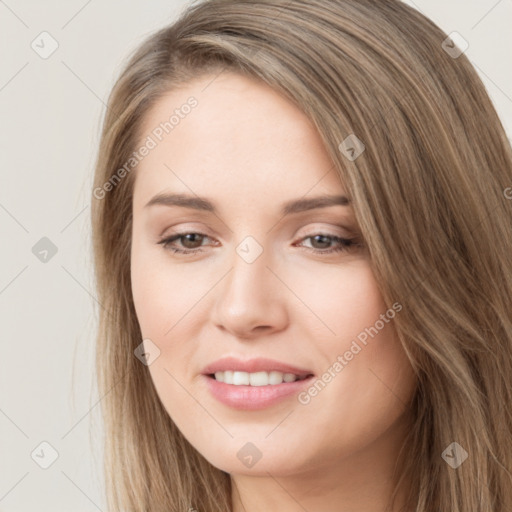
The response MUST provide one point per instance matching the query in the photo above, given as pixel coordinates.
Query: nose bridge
(249, 273)
(248, 298)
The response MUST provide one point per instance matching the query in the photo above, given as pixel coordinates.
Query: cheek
(365, 334)
(162, 298)
(367, 377)
(345, 299)
(170, 309)
(163, 293)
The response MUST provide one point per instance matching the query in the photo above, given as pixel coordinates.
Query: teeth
(254, 379)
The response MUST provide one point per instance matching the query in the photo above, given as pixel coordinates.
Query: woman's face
(280, 292)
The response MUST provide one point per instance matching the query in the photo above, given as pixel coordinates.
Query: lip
(251, 398)
(259, 364)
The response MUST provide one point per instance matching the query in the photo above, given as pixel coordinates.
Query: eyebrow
(205, 204)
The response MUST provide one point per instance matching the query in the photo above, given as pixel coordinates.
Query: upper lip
(253, 365)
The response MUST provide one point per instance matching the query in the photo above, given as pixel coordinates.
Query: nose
(251, 301)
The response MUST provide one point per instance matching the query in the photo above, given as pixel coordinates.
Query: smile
(261, 378)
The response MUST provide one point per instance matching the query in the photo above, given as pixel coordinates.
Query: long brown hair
(431, 193)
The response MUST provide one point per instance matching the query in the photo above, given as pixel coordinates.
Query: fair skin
(248, 150)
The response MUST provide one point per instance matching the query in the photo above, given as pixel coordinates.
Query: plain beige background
(50, 112)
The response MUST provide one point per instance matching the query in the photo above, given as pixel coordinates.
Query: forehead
(241, 141)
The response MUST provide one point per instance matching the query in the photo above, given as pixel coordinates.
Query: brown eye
(322, 243)
(190, 240)
(188, 243)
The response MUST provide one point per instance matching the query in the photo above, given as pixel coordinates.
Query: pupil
(319, 237)
(189, 238)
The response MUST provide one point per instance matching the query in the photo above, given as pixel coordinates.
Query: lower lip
(251, 398)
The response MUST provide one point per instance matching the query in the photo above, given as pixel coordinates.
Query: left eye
(192, 239)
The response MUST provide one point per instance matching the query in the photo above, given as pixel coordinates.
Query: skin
(248, 149)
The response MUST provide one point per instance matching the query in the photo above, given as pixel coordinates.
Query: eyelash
(346, 243)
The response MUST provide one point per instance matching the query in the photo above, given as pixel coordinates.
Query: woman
(301, 219)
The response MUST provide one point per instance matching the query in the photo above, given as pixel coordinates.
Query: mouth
(252, 384)
(254, 372)
(252, 391)
(256, 379)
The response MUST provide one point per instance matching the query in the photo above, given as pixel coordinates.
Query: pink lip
(252, 366)
(254, 397)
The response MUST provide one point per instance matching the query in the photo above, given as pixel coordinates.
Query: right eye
(190, 237)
